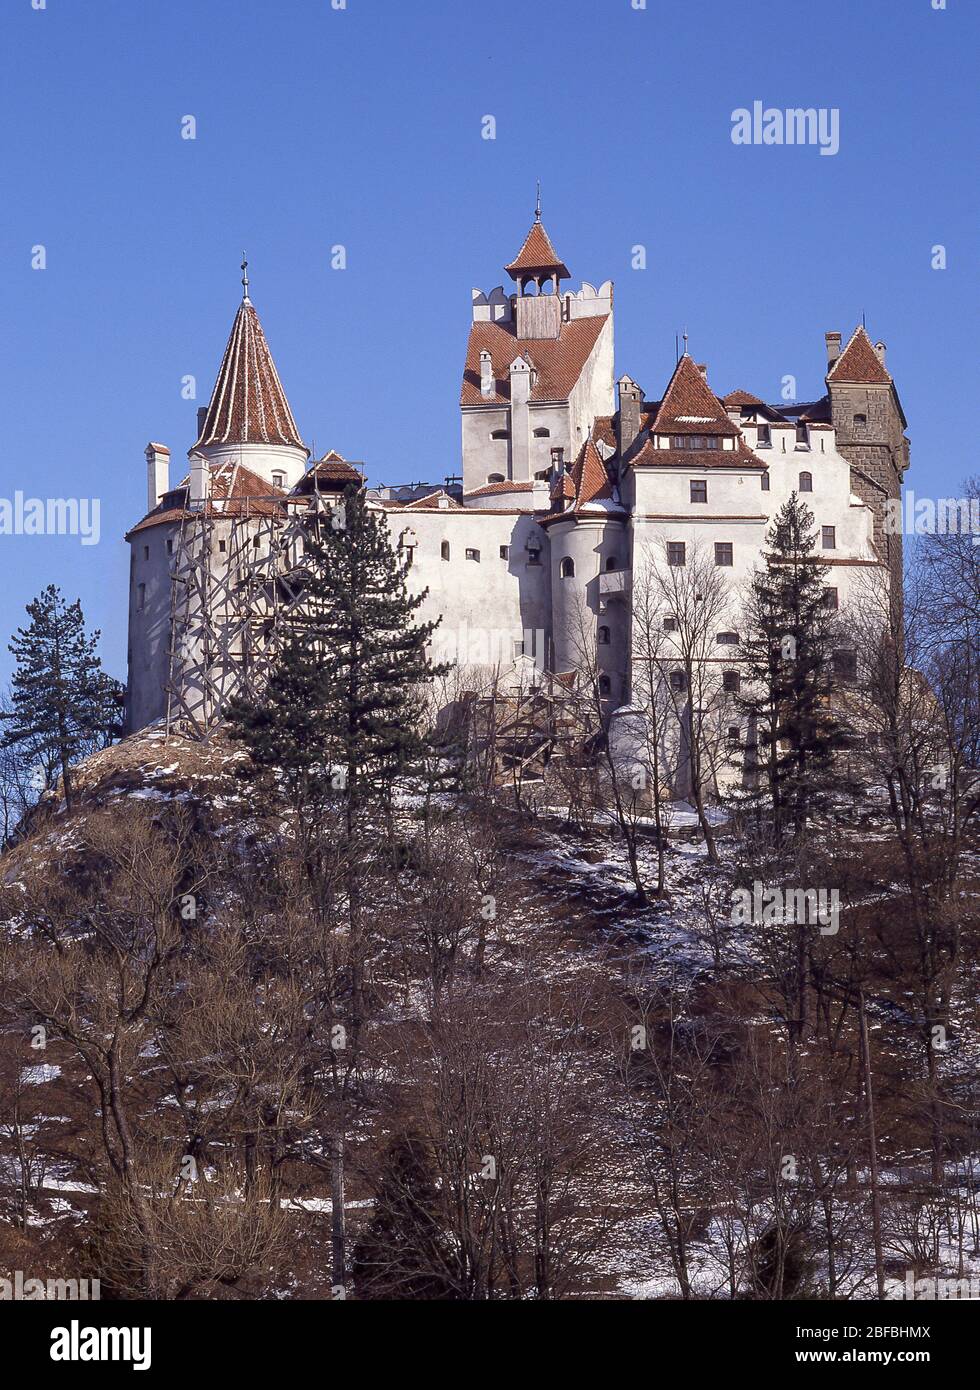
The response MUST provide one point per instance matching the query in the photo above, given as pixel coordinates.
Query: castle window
(472, 554)
(612, 563)
(140, 597)
(567, 568)
(255, 542)
(727, 639)
(518, 647)
(724, 553)
(764, 480)
(170, 547)
(505, 552)
(444, 550)
(670, 624)
(602, 637)
(731, 682)
(146, 552)
(734, 736)
(542, 434)
(699, 490)
(806, 482)
(495, 478)
(533, 556)
(676, 553)
(222, 546)
(543, 475)
(802, 437)
(695, 441)
(829, 537)
(678, 682)
(831, 599)
(605, 685)
(499, 434)
(764, 437)
(279, 480)
(860, 419)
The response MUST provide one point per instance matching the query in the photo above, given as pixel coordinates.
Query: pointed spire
(859, 362)
(248, 404)
(689, 405)
(537, 258)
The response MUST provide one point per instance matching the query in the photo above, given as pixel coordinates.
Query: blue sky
(362, 127)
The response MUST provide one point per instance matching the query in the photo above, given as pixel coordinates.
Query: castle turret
(248, 419)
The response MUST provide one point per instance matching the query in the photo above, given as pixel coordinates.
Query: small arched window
(605, 685)
(567, 568)
(495, 478)
(499, 434)
(444, 550)
(542, 433)
(612, 563)
(603, 637)
(806, 482)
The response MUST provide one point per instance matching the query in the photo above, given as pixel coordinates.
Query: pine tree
(403, 1252)
(63, 703)
(788, 656)
(342, 711)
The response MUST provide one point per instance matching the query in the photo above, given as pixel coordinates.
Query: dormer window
(802, 437)
(763, 437)
(695, 441)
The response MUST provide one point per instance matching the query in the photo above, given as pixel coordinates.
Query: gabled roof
(557, 361)
(235, 487)
(690, 406)
(248, 404)
(741, 398)
(331, 473)
(859, 362)
(590, 478)
(537, 255)
(492, 489)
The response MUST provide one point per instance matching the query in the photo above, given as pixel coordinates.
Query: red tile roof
(591, 477)
(690, 406)
(491, 489)
(236, 487)
(248, 404)
(331, 471)
(859, 363)
(741, 398)
(557, 361)
(537, 255)
(739, 457)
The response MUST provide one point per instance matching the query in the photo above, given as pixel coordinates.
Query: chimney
(833, 347)
(202, 415)
(703, 369)
(880, 350)
(200, 480)
(630, 396)
(157, 473)
(488, 387)
(558, 460)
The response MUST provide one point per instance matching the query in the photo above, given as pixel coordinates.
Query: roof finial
(245, 298)
(684, 335)
(537, 206)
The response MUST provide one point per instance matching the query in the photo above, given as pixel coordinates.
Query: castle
(572, 482)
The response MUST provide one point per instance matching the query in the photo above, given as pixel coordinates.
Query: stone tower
(870, 424)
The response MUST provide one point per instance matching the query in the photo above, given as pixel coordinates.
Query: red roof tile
(557, 361)
(536, 255)
(590, 477)
(234, 486)
(248, 404)
(859, 363)
(491, 489)
(690, 406)
(741, 398)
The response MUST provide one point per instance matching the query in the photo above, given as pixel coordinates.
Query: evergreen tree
(789, 660)
(342, 711)
(63, 703)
